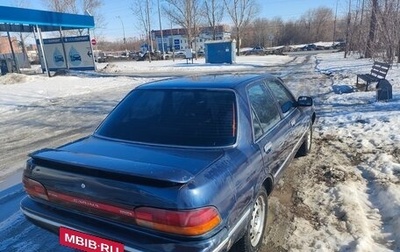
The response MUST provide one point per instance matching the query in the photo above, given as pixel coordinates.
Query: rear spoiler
(78, 162)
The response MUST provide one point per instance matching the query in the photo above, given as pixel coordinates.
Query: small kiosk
(218, 52)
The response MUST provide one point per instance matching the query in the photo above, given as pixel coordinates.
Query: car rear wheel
(305, 148)
(253, 238)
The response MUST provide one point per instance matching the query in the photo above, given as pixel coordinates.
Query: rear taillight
(187, 222)
(34, 188)
(103, 209)
(190, 222)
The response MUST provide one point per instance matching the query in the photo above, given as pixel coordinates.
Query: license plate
(89, 243)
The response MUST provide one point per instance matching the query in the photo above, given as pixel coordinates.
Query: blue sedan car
(182, 164)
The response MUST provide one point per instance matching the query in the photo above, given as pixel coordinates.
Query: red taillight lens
(34, 188)
(103, 209)
(189, 222)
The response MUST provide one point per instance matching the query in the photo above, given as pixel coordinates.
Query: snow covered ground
(344, 196)
(348, 196)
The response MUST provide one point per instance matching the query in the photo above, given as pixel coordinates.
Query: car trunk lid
(175, 165)
(113, 184)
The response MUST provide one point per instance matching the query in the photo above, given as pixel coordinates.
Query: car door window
(265, 114)
(284, 97)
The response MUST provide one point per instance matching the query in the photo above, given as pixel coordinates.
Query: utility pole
(161, 31)
(150, 46)
(123, 33)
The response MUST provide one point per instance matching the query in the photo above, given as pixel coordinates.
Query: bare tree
(377, 32)
(261, 32)
(347, 48)
(306, 23)
(292, 33)
(186, 14)
(21, 3)
(68, 6)
(356, 30)
(141, 11)
(358, 38)
(91, 7)
(317, 24)
(214, 12)
(323, 21)
(241, 13)
(387, 32)
(276, 29)
(372, 30)
(22, 36)
(397, 24)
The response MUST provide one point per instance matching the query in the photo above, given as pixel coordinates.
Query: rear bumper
(52, 219)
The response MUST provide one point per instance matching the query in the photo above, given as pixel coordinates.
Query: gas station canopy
(24, 20)
(14, 19)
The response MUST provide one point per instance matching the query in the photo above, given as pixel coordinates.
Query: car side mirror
(305, 101)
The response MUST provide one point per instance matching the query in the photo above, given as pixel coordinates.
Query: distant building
(175, 39)
(5, 45)
(7, 56)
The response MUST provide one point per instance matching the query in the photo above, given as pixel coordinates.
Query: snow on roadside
(46, 112)
(26, 89)
(355, 195)
(32, 89)
(199, 65)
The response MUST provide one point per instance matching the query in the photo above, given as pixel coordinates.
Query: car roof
(231, 81)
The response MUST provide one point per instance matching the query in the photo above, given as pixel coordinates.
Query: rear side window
(201, 118)
(265, 113)
(284, 97)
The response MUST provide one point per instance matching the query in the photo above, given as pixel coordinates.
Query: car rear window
(202, 118)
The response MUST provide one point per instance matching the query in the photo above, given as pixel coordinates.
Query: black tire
(305, 148)
(253, 237)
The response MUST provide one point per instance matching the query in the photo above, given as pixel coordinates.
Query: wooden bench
(378, 72)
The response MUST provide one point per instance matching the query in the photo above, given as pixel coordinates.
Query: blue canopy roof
(23, 20)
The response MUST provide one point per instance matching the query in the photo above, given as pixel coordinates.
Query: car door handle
(268, 148)
(292, 122)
